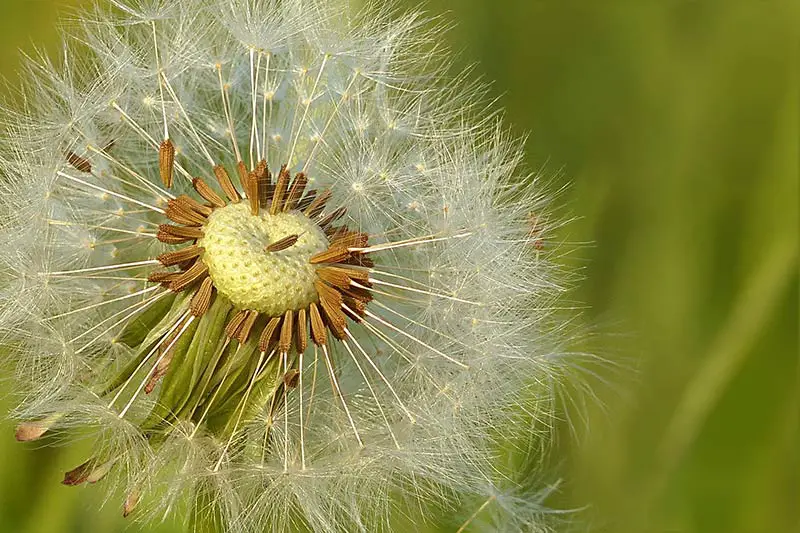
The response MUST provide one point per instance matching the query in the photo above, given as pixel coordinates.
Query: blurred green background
(675, 122)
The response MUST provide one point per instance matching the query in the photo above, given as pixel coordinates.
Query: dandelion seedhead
(279, 264)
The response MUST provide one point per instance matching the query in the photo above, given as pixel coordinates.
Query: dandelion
(277, 263)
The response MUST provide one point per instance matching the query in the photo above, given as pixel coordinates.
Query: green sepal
(137, 329)
(210, 352)
(182, 378)
(163, 407)
(239, 367)
(239, 358)
(268, 384)
(165, 321)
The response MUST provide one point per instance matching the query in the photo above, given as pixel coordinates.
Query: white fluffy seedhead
(388, 363)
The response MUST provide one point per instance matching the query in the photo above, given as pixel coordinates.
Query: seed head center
(251, 277)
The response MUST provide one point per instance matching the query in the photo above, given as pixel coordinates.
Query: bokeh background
(675, 125)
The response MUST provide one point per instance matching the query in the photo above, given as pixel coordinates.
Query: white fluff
(366, 104)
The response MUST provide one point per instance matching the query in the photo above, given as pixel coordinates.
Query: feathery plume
(276, 259)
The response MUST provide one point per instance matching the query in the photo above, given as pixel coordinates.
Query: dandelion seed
(195, 333)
